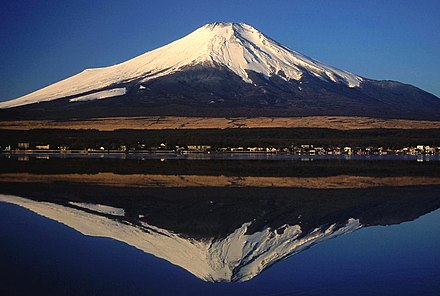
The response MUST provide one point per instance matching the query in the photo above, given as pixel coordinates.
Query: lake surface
(225, 156)
(103, 226)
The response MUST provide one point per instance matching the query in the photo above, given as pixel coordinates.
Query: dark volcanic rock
(218, 92)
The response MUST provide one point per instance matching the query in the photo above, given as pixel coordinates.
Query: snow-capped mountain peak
(241, 47)
(236, 46)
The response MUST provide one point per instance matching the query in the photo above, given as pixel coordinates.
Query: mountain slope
(223, 69)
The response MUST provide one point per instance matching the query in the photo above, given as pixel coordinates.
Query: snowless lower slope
(238, 257)
(236, 46)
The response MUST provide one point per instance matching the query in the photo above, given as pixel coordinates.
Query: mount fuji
(222, 70)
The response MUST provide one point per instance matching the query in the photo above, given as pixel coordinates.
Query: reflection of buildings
(229, 234)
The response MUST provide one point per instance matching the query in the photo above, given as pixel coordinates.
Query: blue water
(43, 257)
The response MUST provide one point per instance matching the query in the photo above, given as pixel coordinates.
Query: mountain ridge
(217, 70)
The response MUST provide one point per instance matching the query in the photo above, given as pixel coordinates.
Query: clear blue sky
(42, 42)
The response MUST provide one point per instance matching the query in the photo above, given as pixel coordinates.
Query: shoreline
(213, 155)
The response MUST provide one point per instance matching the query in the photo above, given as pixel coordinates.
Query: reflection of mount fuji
(223, 234)
(239, 256)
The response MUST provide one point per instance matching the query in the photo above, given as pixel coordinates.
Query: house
(429, 150)
(252, 149)
(199, 148)
(42, 147)
(347, 150)
(24, 146)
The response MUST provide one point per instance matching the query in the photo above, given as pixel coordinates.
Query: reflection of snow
(238, 257)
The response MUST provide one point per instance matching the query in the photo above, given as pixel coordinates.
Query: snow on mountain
(237, 257)
(105, 94)
(237, 46)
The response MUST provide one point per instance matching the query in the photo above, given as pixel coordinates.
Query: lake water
(219, 227)
(226, 156)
